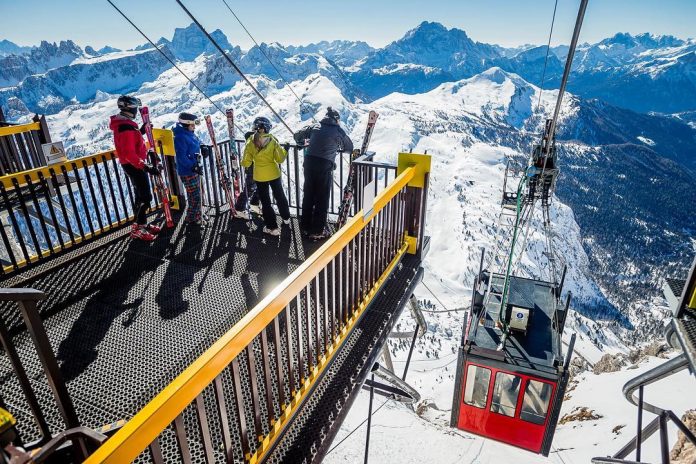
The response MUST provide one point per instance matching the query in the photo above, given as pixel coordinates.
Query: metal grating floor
(125, 317)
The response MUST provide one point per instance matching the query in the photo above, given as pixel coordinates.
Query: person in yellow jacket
(263, 150)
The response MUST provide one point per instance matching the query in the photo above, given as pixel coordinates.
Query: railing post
(27, 299)
(416, 197)
(44, 134)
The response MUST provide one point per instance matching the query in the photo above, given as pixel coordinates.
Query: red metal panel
(510, 430)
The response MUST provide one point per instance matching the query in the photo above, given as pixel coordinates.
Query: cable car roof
(538, 350)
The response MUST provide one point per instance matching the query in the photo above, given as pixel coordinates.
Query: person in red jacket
(132, 154)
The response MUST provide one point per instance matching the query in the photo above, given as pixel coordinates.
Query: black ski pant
(318, 176)
(269, 216)
(142, 196)
(249, 192)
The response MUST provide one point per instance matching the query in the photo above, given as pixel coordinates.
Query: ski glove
(197, 169)
(206, 150)
(152, 170)
(143, 128)
(154, 157)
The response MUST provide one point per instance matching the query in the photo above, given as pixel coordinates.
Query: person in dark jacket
(188, 148)
(326, 139)
(133, 155)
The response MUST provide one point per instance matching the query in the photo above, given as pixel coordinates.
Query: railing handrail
(20, 128)
(149, 423)
(45, 171)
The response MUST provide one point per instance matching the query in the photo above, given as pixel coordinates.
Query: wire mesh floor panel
(125, 317)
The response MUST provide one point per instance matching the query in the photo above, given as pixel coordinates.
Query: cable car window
(476, 390)
(505, 393)
(535, 405)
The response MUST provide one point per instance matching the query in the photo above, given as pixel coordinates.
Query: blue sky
(505, 22)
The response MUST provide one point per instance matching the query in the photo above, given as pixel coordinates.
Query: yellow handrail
(11, 130)
(149, 423)
(45, 171)
(164, 136)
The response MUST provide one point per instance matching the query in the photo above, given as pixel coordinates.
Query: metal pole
(24, 383)
(48, 360)
(664, 442)
(369, 418)
(410, 352)
(639, 435)
(566, 73)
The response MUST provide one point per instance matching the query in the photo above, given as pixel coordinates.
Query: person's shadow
(177, 278)
(79, 349)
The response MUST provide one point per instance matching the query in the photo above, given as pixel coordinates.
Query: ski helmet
(262, 122)
(333, 114)
(126, 102)
(188, 119)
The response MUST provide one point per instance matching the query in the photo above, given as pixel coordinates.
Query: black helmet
(126, 102)
(333, 114)
(262, 122)
(188, 119)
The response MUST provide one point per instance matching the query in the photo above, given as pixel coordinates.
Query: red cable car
(511, 376)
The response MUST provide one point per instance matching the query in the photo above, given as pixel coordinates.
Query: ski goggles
(188, 122)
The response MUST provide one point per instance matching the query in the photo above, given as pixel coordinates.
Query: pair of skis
(349, 189)
(231, 188)
(160, 186)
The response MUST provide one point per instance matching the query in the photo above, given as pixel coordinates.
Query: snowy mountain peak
(189, 42)
(645, 40)
(432, 34)
(11, 48)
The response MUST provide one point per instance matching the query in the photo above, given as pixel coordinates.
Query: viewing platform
(210, 344)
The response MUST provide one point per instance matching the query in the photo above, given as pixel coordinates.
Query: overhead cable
(299, 100)
(546, 60)
(232, 63)
(169, 60)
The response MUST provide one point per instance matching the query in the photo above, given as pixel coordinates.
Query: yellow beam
(11, 130)
(420, 162)
(147, 424)
(166, 138)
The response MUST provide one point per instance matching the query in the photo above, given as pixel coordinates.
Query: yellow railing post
(416, 194)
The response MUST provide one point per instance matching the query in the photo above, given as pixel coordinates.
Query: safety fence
(235, 400)
(20, 146)
(44, 211)
(291, 173)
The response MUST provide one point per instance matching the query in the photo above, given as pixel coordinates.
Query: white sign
(368, 199)
(54, 153)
